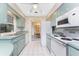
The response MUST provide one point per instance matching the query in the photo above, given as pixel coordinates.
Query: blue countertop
(74, 45)
(7, 37)
(6, 46)
(6, 49)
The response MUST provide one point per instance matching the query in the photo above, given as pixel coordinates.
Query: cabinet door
(20, 22)
(15, 51)
(49, 43)
(72, 51)
(58, 48)
(21, 43)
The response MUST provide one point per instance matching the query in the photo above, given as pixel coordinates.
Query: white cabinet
(69, 19)
(19, 44)
(48, 27)
(57, 47)
(73, 52)
(48, 43)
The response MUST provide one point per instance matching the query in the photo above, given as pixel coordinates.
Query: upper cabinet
(8, 15)
(20, 22)
(3, 12)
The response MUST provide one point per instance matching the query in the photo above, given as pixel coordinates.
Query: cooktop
(70, 39)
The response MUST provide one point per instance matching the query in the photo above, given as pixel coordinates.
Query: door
(35, 30)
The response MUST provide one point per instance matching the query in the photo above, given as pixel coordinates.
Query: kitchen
(58, 33)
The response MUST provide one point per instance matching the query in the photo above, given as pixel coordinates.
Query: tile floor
(35, 49)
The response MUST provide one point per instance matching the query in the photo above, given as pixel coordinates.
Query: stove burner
(68, 39)
(76, 39)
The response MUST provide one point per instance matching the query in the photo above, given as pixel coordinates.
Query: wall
(48, 27)
(28, 29)
(72, 32)
(3, 12)
(43, 32)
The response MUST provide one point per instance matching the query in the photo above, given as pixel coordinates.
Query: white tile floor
(34, 49)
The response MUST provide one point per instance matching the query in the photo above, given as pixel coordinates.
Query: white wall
(28, 28)
(48, 27)
(33, 30)
(43, 33)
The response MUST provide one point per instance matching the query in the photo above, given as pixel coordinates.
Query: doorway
(36, 30)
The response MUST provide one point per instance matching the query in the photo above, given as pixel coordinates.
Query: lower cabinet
(48, 43)
(19, 44)
(72, 51)
(58, 48)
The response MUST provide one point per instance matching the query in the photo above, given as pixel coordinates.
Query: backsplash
(71, 32)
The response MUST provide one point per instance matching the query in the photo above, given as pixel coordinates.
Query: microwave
(6, 28)
(69, 19)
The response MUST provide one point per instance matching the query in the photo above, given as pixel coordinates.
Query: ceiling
(42, 8)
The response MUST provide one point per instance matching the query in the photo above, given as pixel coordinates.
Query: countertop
(6, 49)
(74, 45)
(63, 41)
(12, 36)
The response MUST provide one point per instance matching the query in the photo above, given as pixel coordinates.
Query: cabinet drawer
(58, 48)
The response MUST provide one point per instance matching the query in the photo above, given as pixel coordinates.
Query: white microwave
(69, 19)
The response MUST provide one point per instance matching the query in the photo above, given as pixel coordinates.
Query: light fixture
(35, 5)
(35, 8)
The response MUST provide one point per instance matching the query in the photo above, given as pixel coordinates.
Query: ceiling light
(35, 5)
(35, 8)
